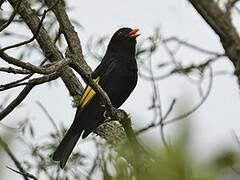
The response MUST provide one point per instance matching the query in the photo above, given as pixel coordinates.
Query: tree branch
(6, 24)
(30, 84)
(14, 70)
(25, 175)
(34, 81)
(229, 5)
(13, 158)
(221, 23)
(191, 46)
(16, 101)
(70, 34)
(50, 50)
(35, 34)
(32, 68)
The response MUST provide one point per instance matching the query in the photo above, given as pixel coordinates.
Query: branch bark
(70, 34)
(222, 25)
(5, 25)
(32, 68)
(49, 49)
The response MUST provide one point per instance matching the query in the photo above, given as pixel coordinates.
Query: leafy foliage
(118, 162)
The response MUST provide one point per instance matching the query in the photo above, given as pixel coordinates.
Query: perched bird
(117, 75)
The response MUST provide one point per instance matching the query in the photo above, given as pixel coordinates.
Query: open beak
(134, 33)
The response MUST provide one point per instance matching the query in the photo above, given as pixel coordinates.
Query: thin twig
(33, 68)
(196, 107)
(182, 116)
(86, 77)
(6, 24)
(229, 5)
(13, 158)
(35, 34)
(16, 101)
(17, 81)
(236, 137)
(192, 46)
(49, 116)
(49, 49)
(22, 79)
(170, 109)
(14, 70)
(34, 81)
(24, 174)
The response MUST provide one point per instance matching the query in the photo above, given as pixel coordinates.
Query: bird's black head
(124, 41)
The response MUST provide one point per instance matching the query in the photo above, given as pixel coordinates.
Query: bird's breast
(124, 81)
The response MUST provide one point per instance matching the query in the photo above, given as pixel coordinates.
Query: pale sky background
(211, 125)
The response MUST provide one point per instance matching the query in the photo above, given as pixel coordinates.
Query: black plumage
(117, 75)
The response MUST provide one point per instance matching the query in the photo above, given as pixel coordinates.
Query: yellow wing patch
(88, 94)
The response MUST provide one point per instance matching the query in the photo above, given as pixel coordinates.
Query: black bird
(117, 75)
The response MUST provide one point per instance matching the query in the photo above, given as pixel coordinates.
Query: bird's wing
(103, 70)
(100, 75)
(108, 74)
(88, 94)
(104, 65)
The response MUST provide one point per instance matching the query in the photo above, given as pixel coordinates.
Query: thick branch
(51, 52)
(70, 34)
(32, 68)
(222, 25)
(35, 34)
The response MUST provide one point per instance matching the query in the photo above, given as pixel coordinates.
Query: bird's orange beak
(134, 33)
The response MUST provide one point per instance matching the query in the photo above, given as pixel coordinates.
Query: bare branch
(170, 109)
(24, 93)
(34, 81)
(22, 79)
(53, 54)
(70, 34)
(24, 174)
(50, 50)
(192, 46)
(165, 122)
(229, 5)
(16, 101)
(14, 70)
(222, 25)
(49, 116)
(204, 98)
(34, 69)
(87, 78)
(6, 24)
(236, 137)
(34, 35)
(13, 158)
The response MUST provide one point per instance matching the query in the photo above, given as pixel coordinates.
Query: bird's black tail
(66, 146)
